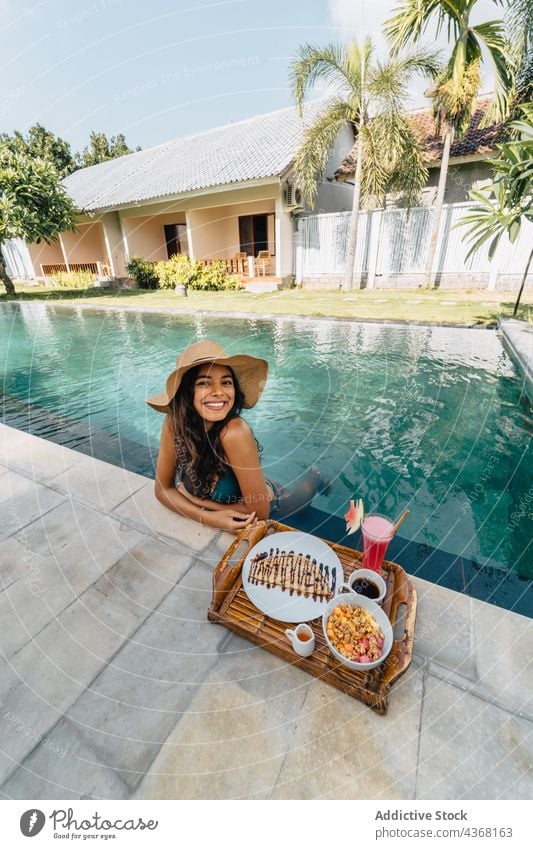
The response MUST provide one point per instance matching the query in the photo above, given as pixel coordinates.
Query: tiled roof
(262, 146)
(475, 140)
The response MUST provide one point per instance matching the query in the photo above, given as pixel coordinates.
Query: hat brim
(251, 373)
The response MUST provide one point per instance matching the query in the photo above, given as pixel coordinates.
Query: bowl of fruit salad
(357, 631)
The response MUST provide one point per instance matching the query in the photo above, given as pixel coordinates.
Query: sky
(166, 68)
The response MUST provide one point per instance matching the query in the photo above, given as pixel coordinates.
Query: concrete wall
(461, 178)
(214, 231)
(44, 254)
(504, 283)
(334, 196)
(85, 245)
(145, 235)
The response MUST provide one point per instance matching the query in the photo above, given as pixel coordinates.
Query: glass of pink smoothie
(377, 532)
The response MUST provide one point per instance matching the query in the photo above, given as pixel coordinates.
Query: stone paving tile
(97, 483)
(139, 697)
(63, 767)
(24, 502)
(343, 750)
(233, 739)
(56, 581)
(40, 459)
(444, 628)
(504, 657)
(12, 443)
(145, 512)
(17, 560)
(48, 674)
(471, 749)
(69, 525)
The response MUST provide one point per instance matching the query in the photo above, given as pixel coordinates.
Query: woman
(210, 448)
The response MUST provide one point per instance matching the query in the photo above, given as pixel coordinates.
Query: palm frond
(412, 17)
(492, 35)
(331, 63)
(312, 157)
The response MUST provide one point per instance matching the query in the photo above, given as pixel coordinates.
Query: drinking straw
(399, 521)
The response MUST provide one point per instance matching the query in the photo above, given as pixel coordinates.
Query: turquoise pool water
(426, 418)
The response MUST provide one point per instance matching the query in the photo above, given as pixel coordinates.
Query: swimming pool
(429, 418)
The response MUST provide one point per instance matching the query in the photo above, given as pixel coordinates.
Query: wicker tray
(231, 607)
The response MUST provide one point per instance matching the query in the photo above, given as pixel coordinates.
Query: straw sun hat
(251, 372)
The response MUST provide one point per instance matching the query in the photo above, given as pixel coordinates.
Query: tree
(519, 23)
(101, 149)
(42, 143)
(456, 90)
(502, 207)
(370, 95)
(33, 204)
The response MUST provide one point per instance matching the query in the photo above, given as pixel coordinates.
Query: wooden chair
(263, 263)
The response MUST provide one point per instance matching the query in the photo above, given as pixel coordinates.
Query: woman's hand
(228, 519)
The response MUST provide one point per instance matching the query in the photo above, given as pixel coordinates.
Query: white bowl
(356, 600)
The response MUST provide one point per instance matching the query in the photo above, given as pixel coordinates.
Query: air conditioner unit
(292, 197)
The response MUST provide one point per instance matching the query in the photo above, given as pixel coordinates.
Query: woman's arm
(208, 503)
(227, 519)
(240, 449)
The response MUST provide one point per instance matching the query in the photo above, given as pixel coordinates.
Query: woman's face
(214, 393)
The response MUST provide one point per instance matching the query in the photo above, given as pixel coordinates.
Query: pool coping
(517, 338)
(465, 727)
(259, 316)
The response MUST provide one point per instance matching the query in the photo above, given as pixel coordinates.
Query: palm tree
(519, 22)
(370, 95)
(512, 189)
(456, 90)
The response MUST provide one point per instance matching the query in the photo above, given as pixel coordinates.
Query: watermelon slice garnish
(354, 516)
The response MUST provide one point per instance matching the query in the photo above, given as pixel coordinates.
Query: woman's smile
(214, 393)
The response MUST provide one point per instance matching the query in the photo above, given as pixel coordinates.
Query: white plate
(278, 603)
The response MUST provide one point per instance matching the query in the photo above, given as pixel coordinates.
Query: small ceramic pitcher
(302, 639)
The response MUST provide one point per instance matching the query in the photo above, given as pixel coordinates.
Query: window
(256, 233)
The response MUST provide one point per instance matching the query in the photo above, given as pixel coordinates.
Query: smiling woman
(209, 466)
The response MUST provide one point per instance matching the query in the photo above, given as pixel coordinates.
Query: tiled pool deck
(114, 685)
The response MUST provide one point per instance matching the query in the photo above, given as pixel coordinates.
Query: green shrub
(72, 279)
(144, 272)
(214, 277)
(179, 270)
(234, 282)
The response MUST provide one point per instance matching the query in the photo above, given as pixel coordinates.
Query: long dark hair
(199, 453)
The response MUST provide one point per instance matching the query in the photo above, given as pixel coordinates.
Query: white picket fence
(396, 241)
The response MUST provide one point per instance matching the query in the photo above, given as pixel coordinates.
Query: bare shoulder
(235, 432)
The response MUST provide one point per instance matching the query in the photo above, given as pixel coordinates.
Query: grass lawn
(414, 305)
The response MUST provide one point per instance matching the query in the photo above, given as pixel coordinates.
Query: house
(468, 166)
(227, 193)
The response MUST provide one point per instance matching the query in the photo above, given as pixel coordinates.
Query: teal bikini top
(227, 489)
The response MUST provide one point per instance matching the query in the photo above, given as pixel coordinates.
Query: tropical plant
(502, 207)
(519, 23)
(370, 95)
(33, 204)
(456, 90)
(101, 148)
(179, 270)
(144, 272)
(72, 279)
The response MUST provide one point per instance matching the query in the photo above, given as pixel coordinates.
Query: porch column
(284, 239)
(114, 243)
(64, 252)
(190, 241)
